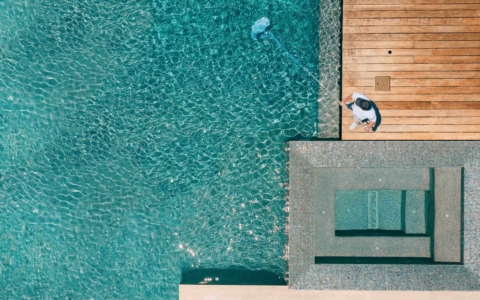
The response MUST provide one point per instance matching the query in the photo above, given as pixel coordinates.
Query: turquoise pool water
(143, 138)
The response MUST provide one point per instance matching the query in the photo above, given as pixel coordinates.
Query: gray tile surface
(304, 274)
(448, 215)
(416, 212)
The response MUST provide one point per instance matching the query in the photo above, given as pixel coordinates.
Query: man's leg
(356, 121)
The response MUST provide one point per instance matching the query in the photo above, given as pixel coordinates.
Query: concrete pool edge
(329, 58)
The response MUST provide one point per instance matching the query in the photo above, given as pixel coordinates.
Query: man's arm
(369, 126)
(344, 101)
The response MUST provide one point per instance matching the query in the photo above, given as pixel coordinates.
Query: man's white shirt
(360, 113)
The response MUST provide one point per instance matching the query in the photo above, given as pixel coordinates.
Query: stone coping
(255, 292)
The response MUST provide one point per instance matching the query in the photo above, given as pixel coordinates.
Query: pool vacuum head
(260, 28)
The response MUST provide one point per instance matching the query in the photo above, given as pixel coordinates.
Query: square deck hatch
(382, 83)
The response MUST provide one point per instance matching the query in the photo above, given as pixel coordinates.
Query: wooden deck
(434, 67)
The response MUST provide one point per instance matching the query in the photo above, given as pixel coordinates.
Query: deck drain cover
(382, 83)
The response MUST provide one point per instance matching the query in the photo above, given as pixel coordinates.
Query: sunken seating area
(388, 212)
(384, 215)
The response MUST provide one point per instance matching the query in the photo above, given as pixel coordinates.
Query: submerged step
(416, 212)
(351, 210)
(341, 197)
(448, 217)
(368, 210)
(373, 210)
(390, 210)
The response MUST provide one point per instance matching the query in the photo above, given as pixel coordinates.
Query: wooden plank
(413, 75)
(405, 2)
(473, 13)
(411, 21)
(422, 7)
(379, 60)
(422, 128)
(417, 97)
(445, 44)
(430, 113)
(436, 82)
(467, 21)
(446, 59)
(409, 136)
(412, 105)
(453, 52)
(460, 55)
(357, 82)
(383, 44)
(409, 44)
(416, 90)
(414, 82)
(431, 121)
(410, 67)
(411, 36)
(410, 29)
(384, 52)
(423, 120)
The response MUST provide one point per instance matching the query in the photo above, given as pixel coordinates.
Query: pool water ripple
(143, 138)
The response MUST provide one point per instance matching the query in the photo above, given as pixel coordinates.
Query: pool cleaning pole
(273, 37)
(260, 31)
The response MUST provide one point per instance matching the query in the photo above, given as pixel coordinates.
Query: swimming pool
(143, 138)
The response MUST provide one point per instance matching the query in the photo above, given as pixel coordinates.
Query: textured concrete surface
(390, 212)
(249, 292)
(373, 178)
(329, 67)
(354, 210)
(372, 246)
(415, 212)
(304, 274)
(447, 229)
(351, 210)
(329, 180)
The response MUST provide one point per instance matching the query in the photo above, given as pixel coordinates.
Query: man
(364, 111)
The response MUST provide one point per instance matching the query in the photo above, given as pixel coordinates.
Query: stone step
(373, 210)
(351, 210)
(326, 184)
(416, 212)
(390, 211)
(448, 209)
(363, 210)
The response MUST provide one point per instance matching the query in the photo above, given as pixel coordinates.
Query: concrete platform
(249, 292)
(368, 210)
(448, 215)
(329, 180)
(416, 203)
(306, 157)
